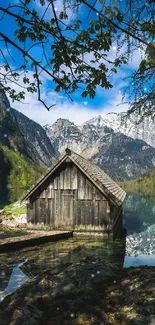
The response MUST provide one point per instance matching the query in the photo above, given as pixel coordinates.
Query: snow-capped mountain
(124, 158)
(83, 139)
(133, 126)
(64, 133)
(122, 147)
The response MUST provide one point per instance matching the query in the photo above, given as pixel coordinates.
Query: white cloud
(135, 58)
(74, 111)
(78, 112)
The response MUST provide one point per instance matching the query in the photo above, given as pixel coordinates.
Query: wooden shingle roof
(97, 176)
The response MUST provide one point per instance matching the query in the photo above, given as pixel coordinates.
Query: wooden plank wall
(69, 200)
(92, 209)
(92, 215)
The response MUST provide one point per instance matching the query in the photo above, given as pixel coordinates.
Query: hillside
(16, 172)
(124, 158)
(25, 151)
(145, 184)
(23, 135)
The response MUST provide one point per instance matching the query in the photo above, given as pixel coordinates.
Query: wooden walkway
(33, 238)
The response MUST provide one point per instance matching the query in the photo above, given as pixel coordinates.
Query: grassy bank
(6, 232)
(13, 210)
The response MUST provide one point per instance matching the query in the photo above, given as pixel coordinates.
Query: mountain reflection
(14, 279)
(138, 212)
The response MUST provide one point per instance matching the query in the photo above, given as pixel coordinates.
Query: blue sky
(81, 109)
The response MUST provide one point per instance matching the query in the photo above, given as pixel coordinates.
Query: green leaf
(142, 66)
(42, 2)
(113, 70)
(120, 17)
(85, 94)
(97, 26)
(57, 89)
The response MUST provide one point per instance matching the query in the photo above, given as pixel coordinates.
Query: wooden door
(66, 212)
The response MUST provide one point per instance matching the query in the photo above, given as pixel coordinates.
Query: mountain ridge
(31, 136)
(95, 140)
(100, 139)
(25, 151)
(132, 125)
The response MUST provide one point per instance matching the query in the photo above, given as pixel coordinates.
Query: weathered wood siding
(68, 200)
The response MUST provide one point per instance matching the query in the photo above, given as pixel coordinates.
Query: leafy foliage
(23, 172)
(74, 52)
(145, 184)
(13, 210)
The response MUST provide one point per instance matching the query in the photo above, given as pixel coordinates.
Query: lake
(137, 249)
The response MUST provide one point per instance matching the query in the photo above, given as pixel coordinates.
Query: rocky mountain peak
(23, 135)
(62, 133)
(61, 127)
(111, 140)
(97, 121)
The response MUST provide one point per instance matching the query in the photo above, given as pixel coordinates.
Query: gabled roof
(97, 176)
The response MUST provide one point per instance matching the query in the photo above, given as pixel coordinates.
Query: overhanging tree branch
(75, 53)
(151, 46)
(36, 63)
(38, 88)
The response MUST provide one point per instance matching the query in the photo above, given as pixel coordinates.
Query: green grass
(7, 232)
(12, 211)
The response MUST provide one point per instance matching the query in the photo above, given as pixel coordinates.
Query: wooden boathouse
(76, 195)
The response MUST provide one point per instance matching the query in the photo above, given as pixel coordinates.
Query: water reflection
(15, 280)
(138, 212)
(48, 256)
(139, 260)
(139, 220)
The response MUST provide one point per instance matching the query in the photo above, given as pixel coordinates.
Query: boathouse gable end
(76, 195)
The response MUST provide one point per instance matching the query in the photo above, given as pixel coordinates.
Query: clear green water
(138, 248)
(139, 212)
(20, 266)
(139, 220)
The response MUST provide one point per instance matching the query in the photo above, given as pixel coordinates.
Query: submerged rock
(88, 293)
(58, 296)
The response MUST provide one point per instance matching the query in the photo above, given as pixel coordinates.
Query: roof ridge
(96, 174)
(98, 167)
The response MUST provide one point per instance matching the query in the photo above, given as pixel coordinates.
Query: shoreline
(32, 238)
